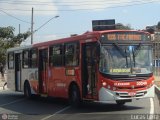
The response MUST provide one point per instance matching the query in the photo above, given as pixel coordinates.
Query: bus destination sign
(123, 37)
(126, 36)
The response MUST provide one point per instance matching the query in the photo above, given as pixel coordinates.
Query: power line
(64, 33)
(76, 3)
(14, 17)
(32, 32)
(46, 23)
(26, 2)
(19, 10)
(59, 2)
(115, 5)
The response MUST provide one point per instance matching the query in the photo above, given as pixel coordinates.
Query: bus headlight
(114, 88)
(104, 83)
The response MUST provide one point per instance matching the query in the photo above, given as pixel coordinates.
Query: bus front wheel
(27, 90)
(120, 103)
(74, 97)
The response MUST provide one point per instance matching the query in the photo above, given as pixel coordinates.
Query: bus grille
(126, 95)
(131, 79)
(129, 88)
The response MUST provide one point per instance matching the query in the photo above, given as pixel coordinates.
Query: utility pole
(19, 28)
(158, 49)
(32, 27)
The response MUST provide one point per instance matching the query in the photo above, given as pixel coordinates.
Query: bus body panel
(31, 75)
(10, 79)
(108, 95)
(55, 80)
(114, 90)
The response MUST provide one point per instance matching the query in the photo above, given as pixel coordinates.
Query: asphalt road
(14, 106)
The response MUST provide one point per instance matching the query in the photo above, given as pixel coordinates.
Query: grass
(157, 81)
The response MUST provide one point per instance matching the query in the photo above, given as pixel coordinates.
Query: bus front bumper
(108, 95)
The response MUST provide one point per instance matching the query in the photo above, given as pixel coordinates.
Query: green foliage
(158, 25)
(8, 40)
(120, 26)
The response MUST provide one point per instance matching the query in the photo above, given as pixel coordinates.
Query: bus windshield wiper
(136, 51)
(123, 53)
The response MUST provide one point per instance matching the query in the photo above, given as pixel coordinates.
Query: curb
(157, 91)
(2, 83)
(1, 88)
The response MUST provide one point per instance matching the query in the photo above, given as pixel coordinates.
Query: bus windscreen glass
(125, 59)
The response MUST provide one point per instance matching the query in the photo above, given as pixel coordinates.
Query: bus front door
(17, 72)
(42, 70)
(89, 72)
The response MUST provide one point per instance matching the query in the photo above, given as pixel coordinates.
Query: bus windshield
(125, 59)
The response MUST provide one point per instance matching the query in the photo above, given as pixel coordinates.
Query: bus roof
(86, 35)
(19, 48)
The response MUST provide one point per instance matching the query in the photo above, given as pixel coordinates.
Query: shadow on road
(43, 106)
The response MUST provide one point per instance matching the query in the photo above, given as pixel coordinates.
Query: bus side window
(33, 58)
(56, 55)
(72, 54)
(11, 60)
(26, 59)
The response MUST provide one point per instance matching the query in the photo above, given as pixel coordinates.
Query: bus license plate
(131, 93)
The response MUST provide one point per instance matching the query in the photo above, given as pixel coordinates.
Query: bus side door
(43, 70)
(17, 71)
(89, 70)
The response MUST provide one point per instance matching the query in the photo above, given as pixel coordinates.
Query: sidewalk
(157, 81)
(157, 86)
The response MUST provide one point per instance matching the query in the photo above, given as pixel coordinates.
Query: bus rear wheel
(27, 90)
(74, 96)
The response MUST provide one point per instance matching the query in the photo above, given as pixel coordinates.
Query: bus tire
(74, 96)
(120, 103)
(27, 90)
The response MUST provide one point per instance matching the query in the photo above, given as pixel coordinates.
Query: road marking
(151, 106)
(12, 102)
(45, 118)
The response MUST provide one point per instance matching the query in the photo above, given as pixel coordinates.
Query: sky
(75, 16)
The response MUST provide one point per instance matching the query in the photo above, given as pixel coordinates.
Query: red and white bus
(110, 65)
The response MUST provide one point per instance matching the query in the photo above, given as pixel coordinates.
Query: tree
(120, 26)
(151, 30)
(8, 40)
(158, 25)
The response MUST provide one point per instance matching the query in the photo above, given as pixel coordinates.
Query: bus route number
(141, 83)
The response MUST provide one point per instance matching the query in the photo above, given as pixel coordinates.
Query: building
(156, 48)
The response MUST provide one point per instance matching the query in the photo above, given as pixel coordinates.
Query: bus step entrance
(44, 95)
